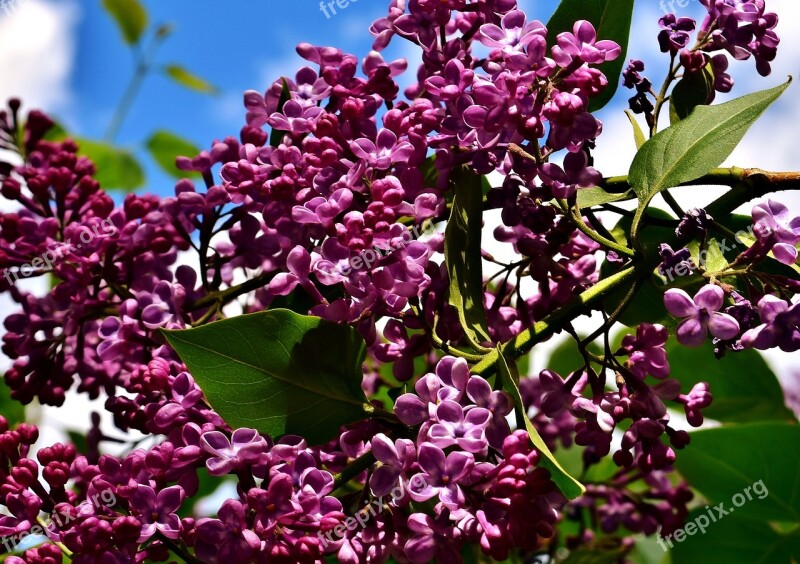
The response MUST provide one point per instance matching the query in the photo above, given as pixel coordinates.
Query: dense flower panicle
(328, 203)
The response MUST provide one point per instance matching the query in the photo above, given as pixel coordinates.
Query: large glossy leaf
(734, 539)
(722, 463)
(116, 168)
(692, 147)
(278, 372)
(744, 387)
(612, 20)
(462, 251)
(164, 146)
(131, 18)
(569, 486)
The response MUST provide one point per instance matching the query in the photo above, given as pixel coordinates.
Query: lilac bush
(357, 386)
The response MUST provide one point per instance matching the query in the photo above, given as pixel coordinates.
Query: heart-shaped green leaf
(278, 372)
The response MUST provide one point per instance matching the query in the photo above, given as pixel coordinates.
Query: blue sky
(237, 45)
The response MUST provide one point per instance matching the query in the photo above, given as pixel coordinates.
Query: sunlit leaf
(131, 18)
(278, 372)
(189, 80)
(165, 146)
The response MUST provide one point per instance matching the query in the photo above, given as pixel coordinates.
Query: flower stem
(543, 329)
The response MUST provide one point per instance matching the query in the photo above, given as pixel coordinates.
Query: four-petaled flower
(702, 315)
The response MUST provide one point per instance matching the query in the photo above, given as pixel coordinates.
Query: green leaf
(566, 358)
(189, 80)
(612, 20)
(638, 134)
(462, 252)
(165, 146)
(116, 167)
(744, 387)
(734, 539)
(647, 305)
(569, 486)
(723, 463)
(11, 409)
(278, 372)
(590, 197)
(606, 550)
(276, 135)
(131, 18)
(693, 90)
(690, 148)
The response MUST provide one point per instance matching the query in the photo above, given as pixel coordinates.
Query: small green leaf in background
(462, 252)
(744, 387)
(638, 135)
(278, 372)
(612, 20)
(189, 80)
(11, 409)
(165, 146)
(566, 358)
(693, 90)
(116, 168)
(569, 486)
(722, 462)
(692, 147)
(131, 18)
(276, 135)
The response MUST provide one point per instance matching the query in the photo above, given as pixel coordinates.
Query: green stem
(543, 329)
(144, 63)
(586, 230)
(229, 294)
(662, 96)
(673, 204)
(353, 469)
(174, 547)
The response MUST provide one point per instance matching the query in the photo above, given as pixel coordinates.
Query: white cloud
(37, 52)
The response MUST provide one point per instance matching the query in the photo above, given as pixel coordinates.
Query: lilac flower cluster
(346, 166)
(739, 28)
(765, 322)
(561, 411)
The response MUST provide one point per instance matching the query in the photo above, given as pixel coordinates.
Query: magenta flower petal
(723, 326)
(679, 303)
(710, 297)
(691, 332)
